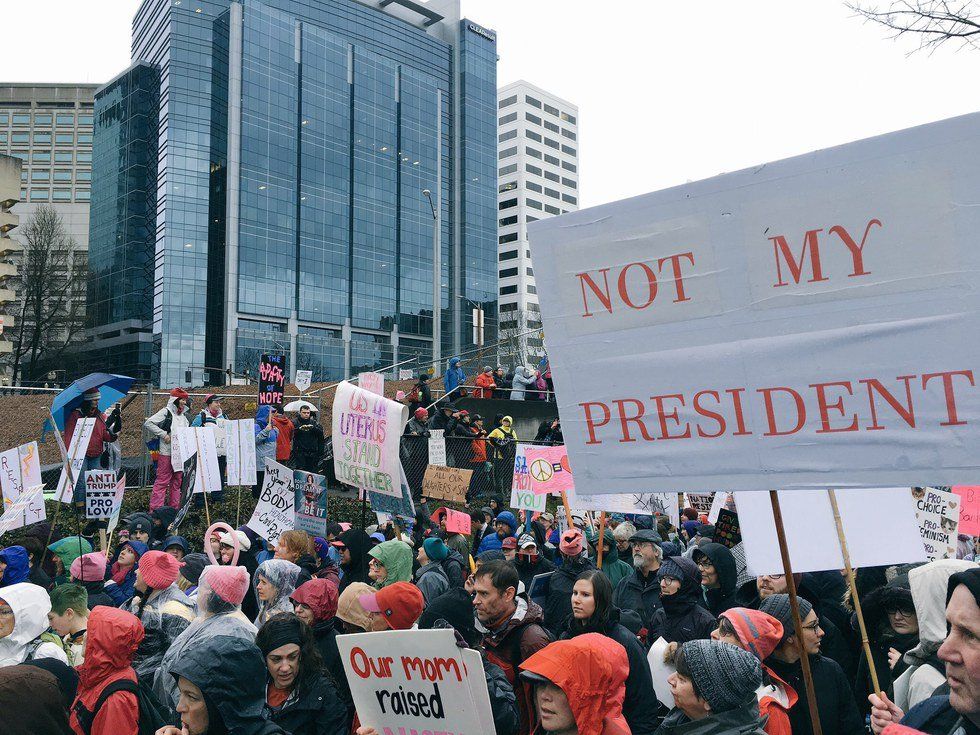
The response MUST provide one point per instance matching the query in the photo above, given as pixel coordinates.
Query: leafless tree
(934, 22)
(51, 285)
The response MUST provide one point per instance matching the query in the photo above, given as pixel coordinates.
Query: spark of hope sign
(367, 429)
(786, 326)
(405, 681)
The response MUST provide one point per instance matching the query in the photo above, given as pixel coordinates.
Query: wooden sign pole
(602, 530)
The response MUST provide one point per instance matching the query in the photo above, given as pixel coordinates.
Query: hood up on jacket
(929, 585)
(687, 572)
(112, 637)
(18, 565)
(724, 563)
(397, 559)
(282, 575)
(262, 420)
(34, 695)
(70, 548)
(320, 595)
(30, 605)
(591, 669)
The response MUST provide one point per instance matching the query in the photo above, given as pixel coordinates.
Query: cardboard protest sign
(969, 509)
(310, 502)
(401, 506)
(642, 503)
(521, 495)
(366, 436)
(938, 515)
(304, 379)
(27, 509)
(372, 382)
(406, 681)
(74, 456)
(701, 502)
(727, 530)
(811, 533)
(100, 494)
(240, 447)
(183, 446)
(548, 469)
(710, 301)
(272, 379)
(274, 512)
(446, 483)
(437, 446)
(20, 469)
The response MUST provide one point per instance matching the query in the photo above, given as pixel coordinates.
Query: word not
(638, 297)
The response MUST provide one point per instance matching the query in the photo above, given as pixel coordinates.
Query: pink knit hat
(572, 542)
(159, 569)
(228, 583)
(89, 567)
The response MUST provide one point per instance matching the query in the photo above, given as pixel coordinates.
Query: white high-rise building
(537, 177)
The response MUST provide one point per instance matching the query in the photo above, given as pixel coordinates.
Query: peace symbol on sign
(541, 470)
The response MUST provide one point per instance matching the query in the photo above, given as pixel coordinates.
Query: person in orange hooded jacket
(284, 439)
(111, 640)
(759, 634)
(579, 686)
(485, 384)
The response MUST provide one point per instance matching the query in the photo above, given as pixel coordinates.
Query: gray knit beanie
(778, 606)
(725, 675)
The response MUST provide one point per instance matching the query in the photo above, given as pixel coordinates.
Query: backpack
(152, 716)
(54, 638)
(167, 423)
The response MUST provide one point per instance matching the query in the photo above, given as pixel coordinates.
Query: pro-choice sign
(807, 323)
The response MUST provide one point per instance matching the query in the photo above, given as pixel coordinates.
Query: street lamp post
(436, 283)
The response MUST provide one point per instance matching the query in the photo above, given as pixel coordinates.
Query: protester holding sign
(162, 427)
(307, 446)
(212, 416)
(101, 435)
(266, 438)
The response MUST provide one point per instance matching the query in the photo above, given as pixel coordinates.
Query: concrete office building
(260, 185)
(537, 151)
(10, 169)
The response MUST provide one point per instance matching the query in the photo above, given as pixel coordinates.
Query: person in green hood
(612, 566)
(65, 552)
(390, 562)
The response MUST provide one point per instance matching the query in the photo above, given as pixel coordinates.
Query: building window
(85, 138)
(529, 218)
(531, 289)
(551, 210)
(85, 120)
(3, 137)
(508, 255)
(62, 157)
(568, 118)
(4, 118)
(568, 134)
(39, 157)
(569, 150)
(532, 118)
(507, 152)
(532, 135)
(22, 119)
(551, 159)
(504, 290)
(508, 272)
(534, 204)
(510, 237)
(530, 271)
(23, 175)
(40, 195)
(551, 126)
(551, 110)
(569, 183)
(508, 169)
(507, 204)
(40, 175)
(509, 186)
(507, 102)
(532, 152)
(533, 102)
(506, 136)
(569, 198)
(569, 166)
(20, 138)
(82, 195)
(551, 193)
(42, 119)
(508, 118)
(532, 186)
(552, 177)
(508, 307)
(63, 138)
(64, 119)
(532, 169)
(62, 175)
(84, 158)
(551, 143)
(62, 195)
(42, 138)
(512, 220)
(83, 175)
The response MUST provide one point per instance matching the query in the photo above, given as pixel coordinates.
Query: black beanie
(279, 630)
(456, 608)
(970, 579)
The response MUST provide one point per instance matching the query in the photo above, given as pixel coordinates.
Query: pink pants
(166, 488)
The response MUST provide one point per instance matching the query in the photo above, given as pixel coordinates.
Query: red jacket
(100, 434)
(284, 438)
(112, 637)
(484, 386)
(591, 669)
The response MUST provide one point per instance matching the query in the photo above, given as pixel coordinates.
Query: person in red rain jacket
(579, 686)
(284, 439)
(485, 383)
(112, 637)
(101, 435)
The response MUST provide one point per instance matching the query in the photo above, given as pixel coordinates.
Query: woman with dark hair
(593, 612)
(299, 697)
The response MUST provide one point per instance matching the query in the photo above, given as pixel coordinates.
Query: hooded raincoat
(396, 556)
(34, 695)
(591, 671)
(112, 639)
(18, 565)
(682, 617)
(166, 614)
(719, 598)
(357, 543)
(558, 605)
(454, 377)
(524, 379)
(282, 575)
(152, 425)
(30, 605)
(67, 550)
(321, 597)
(119, 584)
(612, 566)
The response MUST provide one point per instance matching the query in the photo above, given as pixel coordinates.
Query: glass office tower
(294, 141)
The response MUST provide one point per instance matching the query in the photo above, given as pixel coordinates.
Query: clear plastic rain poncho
(215, 617)
(282, 575)
(166, 615)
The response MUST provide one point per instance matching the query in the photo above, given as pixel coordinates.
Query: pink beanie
(228, 583)
(159, 569)
(571, 543)
(89, 567)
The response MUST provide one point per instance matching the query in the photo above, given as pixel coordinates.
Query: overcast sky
(667, 92)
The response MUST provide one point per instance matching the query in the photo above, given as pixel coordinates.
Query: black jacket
(835, 700)
(307, 442)
(639, 594)
(96, 594)
(503, 702)
(313, 708)
(358, 544)
(558, 605)
(455, 567)
(936, 716)
(250, 605)
(641, 704)
(528, 571)
(723, 597)
(682, 617)
(325, 633)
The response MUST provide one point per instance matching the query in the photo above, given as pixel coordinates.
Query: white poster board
(437, 447)
(389, 671)
(27, 509)
(642, 503)
(522, 497)
(717, 503)
(240, 461)
(100, 494)
(274, 512)
(20, 469)
(366, 436)
(661, 671)
(811, 533)
(781, 326)
(207, 472)
(938, 514)
(75, 455)
(404, 374)
(183, 446)
(304, 379)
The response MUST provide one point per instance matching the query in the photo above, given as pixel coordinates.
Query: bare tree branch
(935, 22)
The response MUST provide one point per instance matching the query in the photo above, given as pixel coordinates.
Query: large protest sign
(522, 497)
(811, 532)
(970, 509)
(446, 483)
(272, 379)
(367, 429)
(437, 446)
(938, 515)
(240, 447)
(406, 681)
(207, 478)
(27, 509)
(372, 382)
(20, 469)
(310, 502)
(642, 503)
(785, 326)
(100, 494)
(274, 512)
(74, 456)
(548, 469)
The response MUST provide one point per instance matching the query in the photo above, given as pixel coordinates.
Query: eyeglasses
(812, 627)
(340, 548)
(376, 564)
(705, 564)
(6, 612)
(903, 611)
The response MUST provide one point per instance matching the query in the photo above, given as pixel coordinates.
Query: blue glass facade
(291, 217)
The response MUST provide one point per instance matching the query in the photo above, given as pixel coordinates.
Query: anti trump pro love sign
(800, 324)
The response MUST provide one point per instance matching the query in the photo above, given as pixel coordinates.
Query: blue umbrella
(111, 387)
